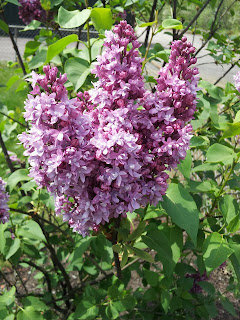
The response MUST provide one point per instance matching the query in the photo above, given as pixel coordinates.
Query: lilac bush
(4, 210)
(105, 152)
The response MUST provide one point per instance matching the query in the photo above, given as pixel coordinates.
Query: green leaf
(237, 117)
(168, 244)
(30, 250)
(57, 47)
(140, 253)
(165, 300)
(3, 227)
(117, 248)
(31, 47)
(81, 248)
(77, 70)
(13, 249)
(31, 230)
(228, 306)
(235, 263)
(12, 80)
(215, 251)
(207, 286)
(130, 3)
(206, 167)
(10, 317)
(102, 18)
(228, 207)
(30, 185)
(137, 232)
(96, 48)
(220, 153)
(46, 4)
(14, 2)
(124, 258)
(234, 224)
(4, 26)
(199, 142)
(72, 19)
(39, 59)
(111, 312)
(214, 92)
(16, 177)
(35, 302)
(181, 207)
(86, 311)
(55, 3)
(33, 25)
(172, 24)
(151, 277)
(185, 165)
(29, 314)
(231, 130)
(7, 298)
(147, 24)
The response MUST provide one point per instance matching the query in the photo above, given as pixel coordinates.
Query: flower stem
(115, 254)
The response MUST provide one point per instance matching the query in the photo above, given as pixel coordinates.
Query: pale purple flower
(236, 78)
(4, 209)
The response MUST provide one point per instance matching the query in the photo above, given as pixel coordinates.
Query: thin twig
(33, 215)
(48, 280)
(21, 124)
(175, 36)
(225, 73)
(15, 47)
(213, 29)
(6, 279)
(194, 19)
(6, 155)
(150, 20)
(115, 254)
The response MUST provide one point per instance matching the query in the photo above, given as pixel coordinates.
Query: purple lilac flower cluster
(105, 153)
(32, 10)
(197, 278)
(4, 210)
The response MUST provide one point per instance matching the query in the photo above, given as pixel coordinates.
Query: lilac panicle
(105, 153)
(32, 10)
(4, 210)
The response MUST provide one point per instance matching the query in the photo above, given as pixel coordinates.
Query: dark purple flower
(197, 278)
(32, 10)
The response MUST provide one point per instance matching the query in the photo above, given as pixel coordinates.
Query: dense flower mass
(4, 210)
(105, 152)
(32, 10)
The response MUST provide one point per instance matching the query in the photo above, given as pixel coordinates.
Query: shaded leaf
(215, 251)
(181, 207)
